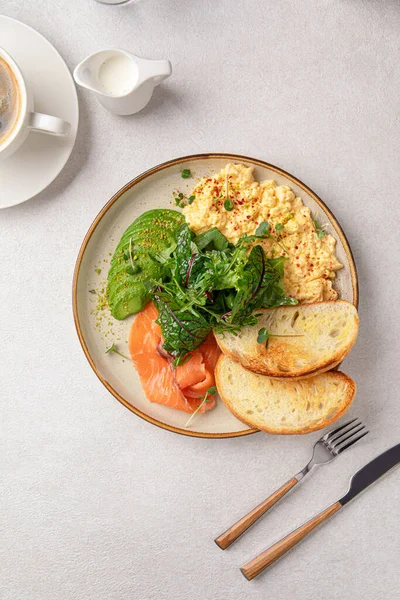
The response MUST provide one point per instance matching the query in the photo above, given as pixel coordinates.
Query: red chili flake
(297, 257)
(296, 247)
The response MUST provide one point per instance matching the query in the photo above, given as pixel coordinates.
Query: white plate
(41, 157)
(153, 189)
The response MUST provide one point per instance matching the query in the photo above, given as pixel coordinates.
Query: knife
(359, 482)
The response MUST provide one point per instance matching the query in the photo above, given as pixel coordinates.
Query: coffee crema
(9, 100)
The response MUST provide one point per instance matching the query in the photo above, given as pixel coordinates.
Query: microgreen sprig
(264, 335)
(114, 350)
(318, 229)
(131, 269)
(186, 173)
(228, 204)
(181, 200)
(278, 228)
(263, 230)
(210, 392)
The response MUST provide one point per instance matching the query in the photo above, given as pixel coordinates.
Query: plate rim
(131, 184)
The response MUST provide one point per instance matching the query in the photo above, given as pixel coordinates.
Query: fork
(325, 449)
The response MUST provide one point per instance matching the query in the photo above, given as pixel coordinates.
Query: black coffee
(9, 100)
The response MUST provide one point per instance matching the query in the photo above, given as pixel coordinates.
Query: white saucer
(41, 158)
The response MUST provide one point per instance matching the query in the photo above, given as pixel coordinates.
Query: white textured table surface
(99, 505)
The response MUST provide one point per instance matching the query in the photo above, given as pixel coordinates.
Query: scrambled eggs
(312, 263)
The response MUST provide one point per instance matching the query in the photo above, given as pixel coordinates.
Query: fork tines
(350, 432)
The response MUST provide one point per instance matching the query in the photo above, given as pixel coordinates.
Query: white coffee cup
(27, 120)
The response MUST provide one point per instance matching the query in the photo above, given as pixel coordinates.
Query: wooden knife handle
(232, 534)
(266, 558)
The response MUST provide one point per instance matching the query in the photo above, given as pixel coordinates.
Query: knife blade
(362, 479)
(372, 471)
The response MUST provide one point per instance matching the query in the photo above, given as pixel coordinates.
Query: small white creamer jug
(123, 82)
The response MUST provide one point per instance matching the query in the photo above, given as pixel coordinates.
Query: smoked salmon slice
(188, 374)
(183, 387)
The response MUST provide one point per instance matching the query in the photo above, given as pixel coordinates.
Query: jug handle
(164, 70)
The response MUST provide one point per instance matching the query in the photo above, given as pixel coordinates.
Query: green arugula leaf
(208, 283)
(251, 282)
(133, 270)
(188, 260)
(260, 286)
(262, 229)
(163, 256)
(183, 331)
(212, 239)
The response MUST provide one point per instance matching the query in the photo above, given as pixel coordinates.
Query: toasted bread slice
(283, 407)
(312, 339)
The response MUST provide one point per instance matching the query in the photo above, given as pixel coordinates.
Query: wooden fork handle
(266, 558)
(232, 534)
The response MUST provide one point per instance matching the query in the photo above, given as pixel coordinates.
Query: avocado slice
(151, 233)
